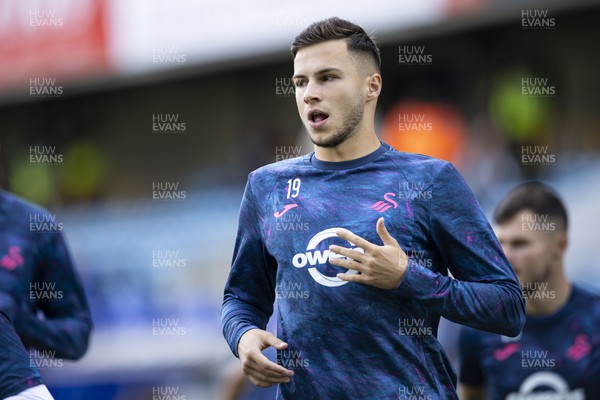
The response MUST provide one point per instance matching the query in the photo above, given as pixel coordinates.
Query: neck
(358, 146)
(542, 303)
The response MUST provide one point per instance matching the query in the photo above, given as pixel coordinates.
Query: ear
(562, 242)
(373, 85)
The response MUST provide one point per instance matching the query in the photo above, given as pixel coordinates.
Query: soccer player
(52, 313)
(558, 351)
(19, 380)
(329, 235)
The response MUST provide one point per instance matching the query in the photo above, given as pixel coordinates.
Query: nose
(310, 93)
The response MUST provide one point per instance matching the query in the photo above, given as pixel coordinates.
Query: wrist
(244, 339)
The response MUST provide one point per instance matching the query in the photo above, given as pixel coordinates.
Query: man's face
(532, 253)
(330, 91)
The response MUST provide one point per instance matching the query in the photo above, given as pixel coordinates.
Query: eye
(519, 244)
(299, 82)
(327, 78)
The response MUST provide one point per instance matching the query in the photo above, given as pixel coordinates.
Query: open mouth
(317, 118)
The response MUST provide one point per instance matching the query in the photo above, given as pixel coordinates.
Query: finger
(260, 383)
(258, 361)
(260, 377)
(266, 376)
(352, 278)
(383, 233)
(355, 239)
(347, 263)
(276, 369)
(266, 382)
(339, 251)
(271, 340)
(263, 373)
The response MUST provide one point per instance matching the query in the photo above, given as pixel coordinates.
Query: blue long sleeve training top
(349, 340)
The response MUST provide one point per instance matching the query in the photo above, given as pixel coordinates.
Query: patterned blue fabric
(349, 340)
(16, 372)
(558, 354)
(37, 274)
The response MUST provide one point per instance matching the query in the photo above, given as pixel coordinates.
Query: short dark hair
(336, 28)
(534, 196)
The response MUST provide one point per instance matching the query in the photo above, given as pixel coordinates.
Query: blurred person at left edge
(52, 313)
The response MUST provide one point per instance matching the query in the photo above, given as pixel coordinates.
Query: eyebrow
(320, 72)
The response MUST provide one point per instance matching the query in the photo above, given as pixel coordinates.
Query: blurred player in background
(312, 234)
(50, 310)
(558, 351)
(19, 380)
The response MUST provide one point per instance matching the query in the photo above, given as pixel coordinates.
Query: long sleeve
(66, 324)
(16, 369)
(485, 293)
(250, 289)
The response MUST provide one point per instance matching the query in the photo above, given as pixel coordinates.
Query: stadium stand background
(227, 78)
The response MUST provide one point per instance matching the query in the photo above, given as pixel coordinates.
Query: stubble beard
(537, 281)
(345, 132)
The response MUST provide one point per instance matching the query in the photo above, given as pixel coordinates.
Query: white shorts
(39, 392)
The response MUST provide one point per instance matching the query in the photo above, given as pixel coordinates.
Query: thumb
(271, 340)
(384, 234)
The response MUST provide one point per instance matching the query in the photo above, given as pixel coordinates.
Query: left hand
(380, 266)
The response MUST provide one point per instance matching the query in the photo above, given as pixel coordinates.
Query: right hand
(256, 366)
